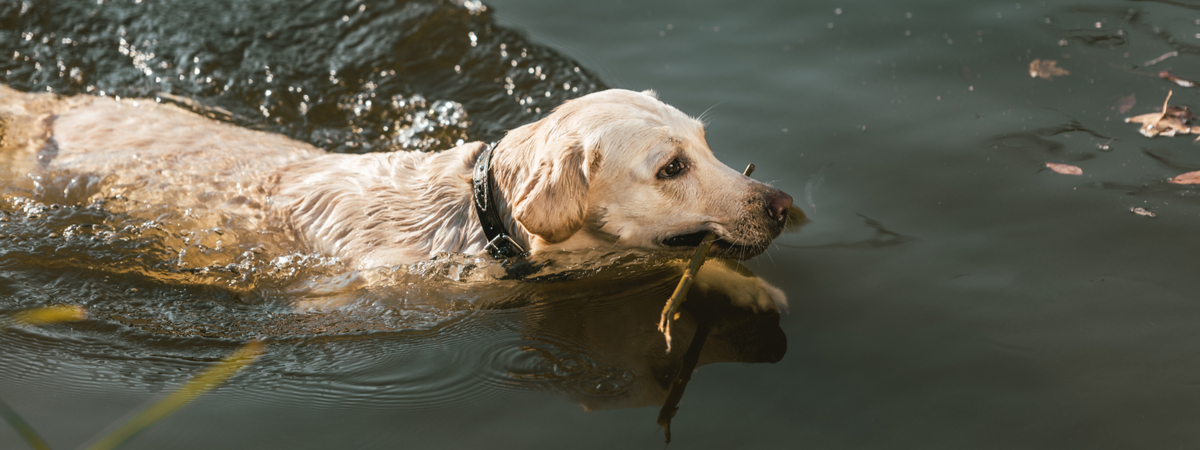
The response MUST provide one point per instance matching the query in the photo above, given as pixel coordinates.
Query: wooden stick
(703, 323)
(690, 358)
(671, 309)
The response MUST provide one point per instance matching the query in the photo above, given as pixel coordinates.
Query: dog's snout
(778, 204)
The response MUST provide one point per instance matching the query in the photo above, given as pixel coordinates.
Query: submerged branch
(690, 359)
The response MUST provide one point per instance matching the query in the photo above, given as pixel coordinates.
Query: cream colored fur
(583, 177)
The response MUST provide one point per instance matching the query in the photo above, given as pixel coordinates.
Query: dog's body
(615, 168)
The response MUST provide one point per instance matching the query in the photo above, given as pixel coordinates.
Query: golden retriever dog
(611, 169)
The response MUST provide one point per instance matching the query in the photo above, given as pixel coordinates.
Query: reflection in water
(1170, 161)
(1153, 189)
(597, 341)
(1097, 38)
(1034, 148)
(437, 334)
(883, 237)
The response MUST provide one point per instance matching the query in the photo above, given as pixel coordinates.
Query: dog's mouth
(686, 240)
(721, 247)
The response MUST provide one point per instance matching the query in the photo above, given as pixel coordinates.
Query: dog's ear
(553, 201)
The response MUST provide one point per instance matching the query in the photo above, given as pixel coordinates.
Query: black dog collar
(500, 245)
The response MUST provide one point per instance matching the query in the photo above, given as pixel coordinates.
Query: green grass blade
(44, 316)
(203, 382)
(22, 428)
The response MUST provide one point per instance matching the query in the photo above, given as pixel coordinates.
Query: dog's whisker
(704, 115)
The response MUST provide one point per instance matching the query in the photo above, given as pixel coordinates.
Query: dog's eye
(671, 169)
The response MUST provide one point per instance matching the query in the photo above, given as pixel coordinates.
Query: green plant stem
(22, 428)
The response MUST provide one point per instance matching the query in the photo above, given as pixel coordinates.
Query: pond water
(950, 292)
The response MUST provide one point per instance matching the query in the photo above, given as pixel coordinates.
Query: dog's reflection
(594, 339)
(586, 324)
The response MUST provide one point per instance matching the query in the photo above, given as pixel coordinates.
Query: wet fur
(583, 177)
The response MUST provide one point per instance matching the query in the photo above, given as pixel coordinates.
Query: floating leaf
(1143, 212)
(1171, 121)
(1126, 103)
(1187, 178)
(1180, 81)
(1065, 169)
(1046, 70)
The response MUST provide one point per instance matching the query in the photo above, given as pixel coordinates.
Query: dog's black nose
(777, 206)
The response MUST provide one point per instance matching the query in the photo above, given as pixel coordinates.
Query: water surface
(951, 292)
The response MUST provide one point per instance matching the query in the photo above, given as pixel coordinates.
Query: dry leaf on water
(1046, 70)
(1170, 121)
(1180, 81)
(1187, 178)
(1143, 212)
(1169, 124)
(1065, 169)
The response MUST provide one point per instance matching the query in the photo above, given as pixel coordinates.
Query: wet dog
(615, 168)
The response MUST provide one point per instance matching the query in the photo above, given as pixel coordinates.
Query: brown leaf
(1169, 126)
(1126, 103)
(1046, 70)
(1148, 118)
(1171, 121)
(1065, 169)
(1180, 112)
(1180, 81)
(1143, 212)
(1187, 178)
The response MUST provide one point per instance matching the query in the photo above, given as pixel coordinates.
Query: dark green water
(951, 292)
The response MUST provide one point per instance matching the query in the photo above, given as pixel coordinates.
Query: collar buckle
(503, 247)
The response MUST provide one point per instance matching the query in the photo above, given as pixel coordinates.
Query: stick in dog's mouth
(688, 240)
(795, 219)
(724, 247)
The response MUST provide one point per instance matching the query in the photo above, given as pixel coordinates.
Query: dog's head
(621, 168)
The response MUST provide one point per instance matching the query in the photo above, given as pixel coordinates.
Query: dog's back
(139, 149)
(158, 160)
